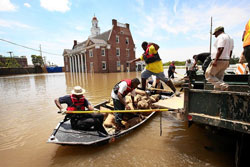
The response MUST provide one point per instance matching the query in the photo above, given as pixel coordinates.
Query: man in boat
(118, 94)
(220, 59)
(204, 58)
(77, 102)
(157, 87)
(154, 65)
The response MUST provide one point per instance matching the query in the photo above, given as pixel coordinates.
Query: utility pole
(44, 58)
(10, 53)
(211, 35)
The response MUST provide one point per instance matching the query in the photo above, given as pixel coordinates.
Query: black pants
(206, 64)
(246, 53)
(170, 74)
(121, 116)
(87, 121)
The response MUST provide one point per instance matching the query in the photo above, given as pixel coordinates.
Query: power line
(29, 47)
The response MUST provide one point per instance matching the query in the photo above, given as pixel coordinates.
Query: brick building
(102, 52)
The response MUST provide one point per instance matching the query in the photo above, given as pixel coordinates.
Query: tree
(12, 63)
(234, 60)
(37, 60)
(177, 63)
(2, 64)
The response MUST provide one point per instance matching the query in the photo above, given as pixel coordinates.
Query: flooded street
(28, 116)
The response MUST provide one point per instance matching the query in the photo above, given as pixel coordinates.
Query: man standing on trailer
(220, 59)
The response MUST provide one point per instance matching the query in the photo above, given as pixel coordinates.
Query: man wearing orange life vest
(246, 43)
(77, 102)
(154, 65)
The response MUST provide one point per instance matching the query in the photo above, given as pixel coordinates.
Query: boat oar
(117, 111)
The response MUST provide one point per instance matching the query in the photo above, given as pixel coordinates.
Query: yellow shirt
(155, 67)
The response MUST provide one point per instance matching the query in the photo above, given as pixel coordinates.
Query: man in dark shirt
(171, 70)
(77, 102)
(204, 58)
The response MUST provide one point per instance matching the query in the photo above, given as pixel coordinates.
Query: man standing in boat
(220, 59)
(77, 102)
(118, 94)
(154, 65)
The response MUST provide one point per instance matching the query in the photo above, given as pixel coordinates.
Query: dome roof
(94, 18)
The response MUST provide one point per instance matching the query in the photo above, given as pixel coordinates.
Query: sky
(180, 27)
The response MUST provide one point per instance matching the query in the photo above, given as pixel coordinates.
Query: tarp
(54, 69)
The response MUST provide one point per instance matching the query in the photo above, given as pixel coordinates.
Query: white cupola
(95, 30)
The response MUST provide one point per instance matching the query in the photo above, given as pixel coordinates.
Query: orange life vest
(246, 39)
(78, 104)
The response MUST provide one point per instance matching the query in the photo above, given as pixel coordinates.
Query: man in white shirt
(188, 66)
(118, 95)
(220, 59)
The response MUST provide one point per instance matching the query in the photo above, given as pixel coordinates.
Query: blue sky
(180, 27)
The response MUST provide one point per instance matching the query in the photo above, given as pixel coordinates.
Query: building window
(90, 53)
(127, 40)
(127, 52)
(66, 59)
(103, 65)
(91, 67)
(103, 51)
(117, 51)
(117, 39)
(118, 63)
(122, 32)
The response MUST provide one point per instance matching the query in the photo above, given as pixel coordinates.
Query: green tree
(177, 63)
(2, 64)
(234, 60)
(12, 63)
(37, 60)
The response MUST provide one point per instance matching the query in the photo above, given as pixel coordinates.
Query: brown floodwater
(28, 116)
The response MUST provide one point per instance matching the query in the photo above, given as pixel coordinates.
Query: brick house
(102, 52)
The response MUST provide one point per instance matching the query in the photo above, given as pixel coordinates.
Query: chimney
(114, 22)
(127, 25)
(75, 43)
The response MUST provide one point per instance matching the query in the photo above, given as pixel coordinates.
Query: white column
(75, 64)
(82, 61)
(79, 64)
(70, 64)
(85, 63)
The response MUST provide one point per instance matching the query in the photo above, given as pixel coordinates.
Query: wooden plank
(172, 103)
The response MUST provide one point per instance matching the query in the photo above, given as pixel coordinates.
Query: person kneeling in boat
(118, 94)
(157, 87)
(77, 102)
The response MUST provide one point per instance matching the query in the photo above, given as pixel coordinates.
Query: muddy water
(28, 116)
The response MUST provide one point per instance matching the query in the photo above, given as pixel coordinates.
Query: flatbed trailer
(222, 109)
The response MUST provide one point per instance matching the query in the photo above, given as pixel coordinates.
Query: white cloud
(56, 5)
(13, 24)
(6, 5)
(79, 28)
(27, 5)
